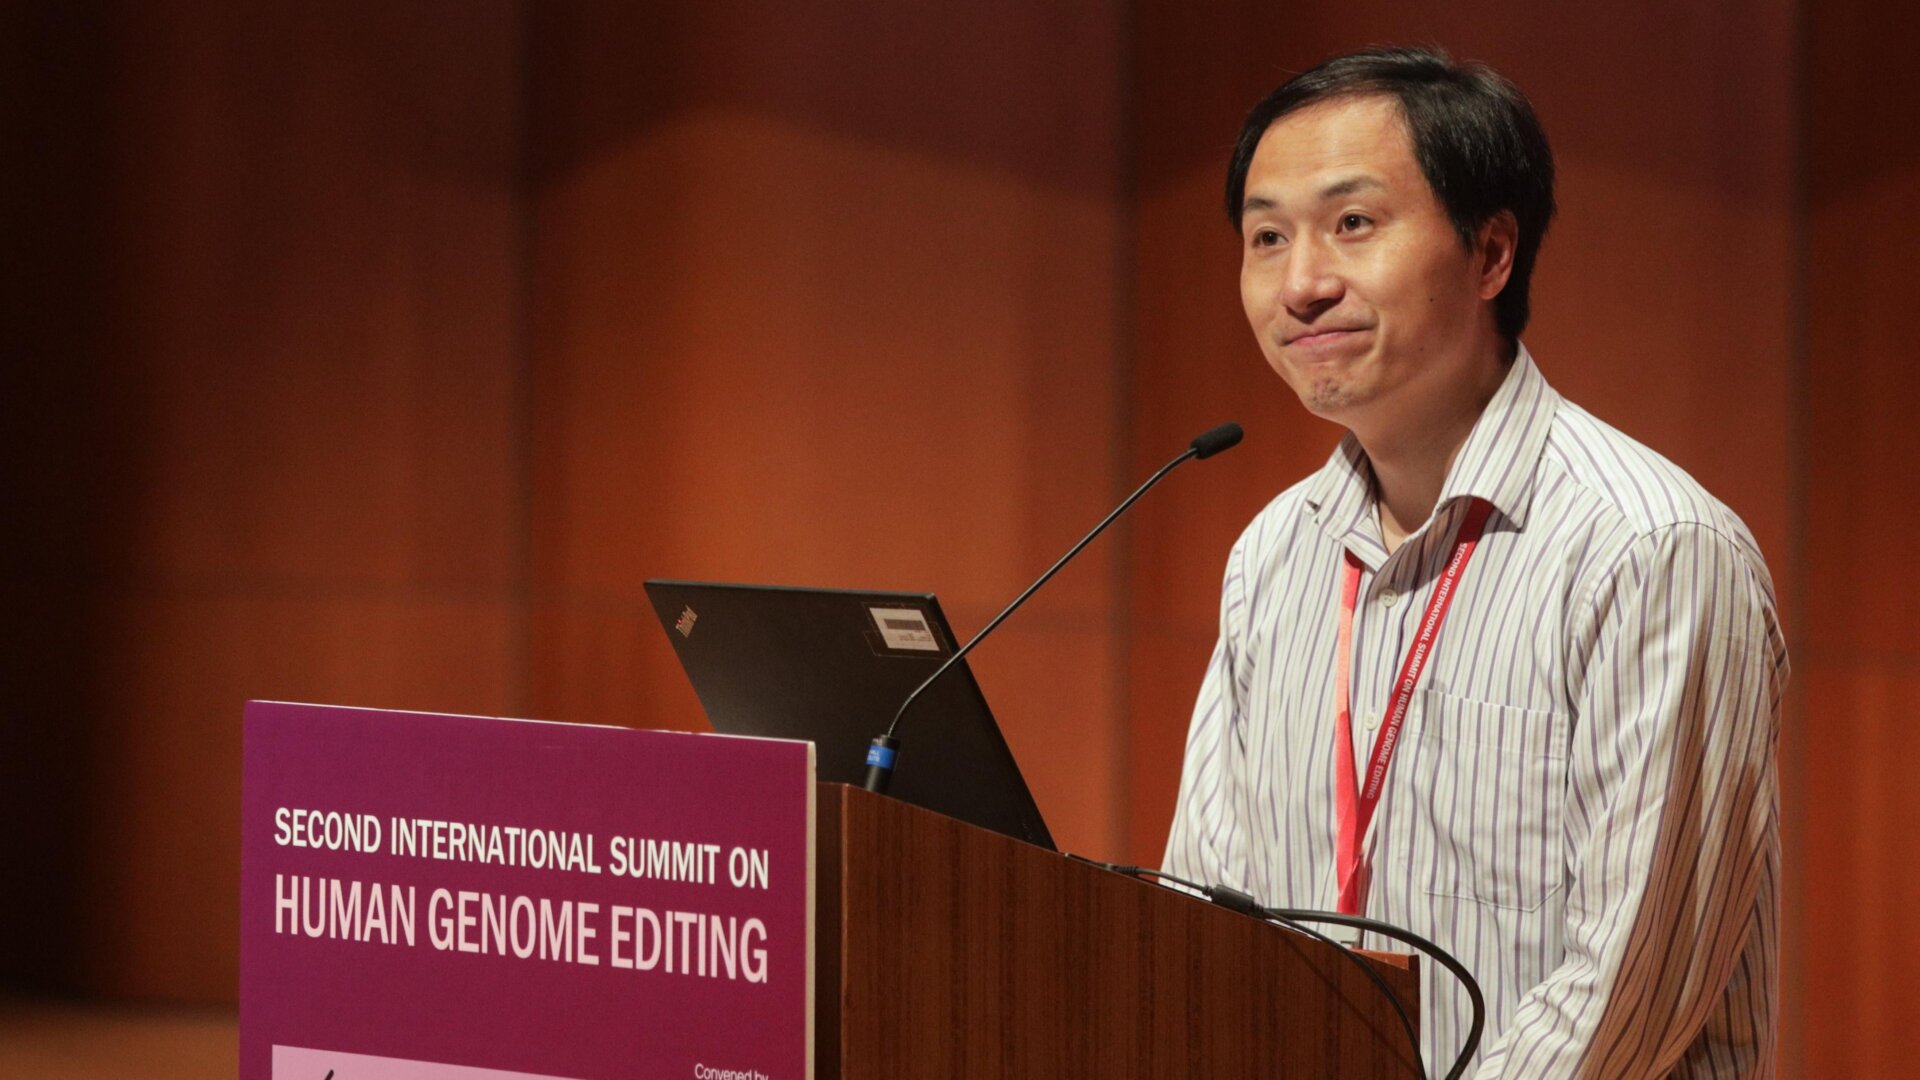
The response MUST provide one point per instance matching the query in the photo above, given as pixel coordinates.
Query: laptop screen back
(833, 666)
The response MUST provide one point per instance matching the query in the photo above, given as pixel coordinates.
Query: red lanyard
(1353, 803)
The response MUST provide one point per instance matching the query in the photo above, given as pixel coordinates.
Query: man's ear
(1493, 252)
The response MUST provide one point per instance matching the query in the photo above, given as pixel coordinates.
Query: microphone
(885, 748)
(1210, 442)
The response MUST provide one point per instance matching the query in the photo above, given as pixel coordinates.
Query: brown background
(376, 354)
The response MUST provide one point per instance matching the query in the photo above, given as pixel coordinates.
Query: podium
(434, 897)
(944, 950)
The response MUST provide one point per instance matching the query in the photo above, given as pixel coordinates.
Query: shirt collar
(1498, 462)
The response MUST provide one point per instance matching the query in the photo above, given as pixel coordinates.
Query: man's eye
(1350, 222)
(1265, 237)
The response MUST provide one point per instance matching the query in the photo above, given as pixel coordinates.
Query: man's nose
(1313, 280)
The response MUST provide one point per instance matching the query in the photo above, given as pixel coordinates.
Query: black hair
(1474, 133)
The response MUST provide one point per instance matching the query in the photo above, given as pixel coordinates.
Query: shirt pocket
(1489, 792)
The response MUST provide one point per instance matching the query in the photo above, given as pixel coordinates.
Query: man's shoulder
(1273, 542)
(1272, 530)
(1637, 487)
(1659, 520)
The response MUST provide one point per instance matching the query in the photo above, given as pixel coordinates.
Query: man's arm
(1671, 812)
(1207, 843)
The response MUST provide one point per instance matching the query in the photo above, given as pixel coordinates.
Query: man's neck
(1408, 485)
(1411, 457)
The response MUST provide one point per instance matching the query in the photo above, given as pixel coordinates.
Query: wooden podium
(374, 944)
(944, 950)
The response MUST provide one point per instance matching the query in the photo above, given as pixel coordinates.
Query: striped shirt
(1583, 806)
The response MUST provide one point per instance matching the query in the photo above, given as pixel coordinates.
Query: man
(1496, 673)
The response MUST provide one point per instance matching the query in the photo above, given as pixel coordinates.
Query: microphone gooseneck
(885, 748)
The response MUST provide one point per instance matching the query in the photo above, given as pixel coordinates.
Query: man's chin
(1330, 399)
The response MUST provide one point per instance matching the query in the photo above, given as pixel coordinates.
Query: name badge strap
(1347, 842)
(1355, 801)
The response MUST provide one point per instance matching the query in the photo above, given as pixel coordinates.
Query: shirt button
(1389, 597)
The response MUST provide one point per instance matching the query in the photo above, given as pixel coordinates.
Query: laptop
(832, 666)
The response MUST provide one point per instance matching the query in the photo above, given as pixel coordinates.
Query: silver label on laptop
(905, 628)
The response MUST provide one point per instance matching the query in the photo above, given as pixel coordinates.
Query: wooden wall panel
(828, 296)
(295, 302)
(64, 436)
(1857, 657)
(1859, 870)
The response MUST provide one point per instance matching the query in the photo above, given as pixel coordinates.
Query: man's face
(1357, 285)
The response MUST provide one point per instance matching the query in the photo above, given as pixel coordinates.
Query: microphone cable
(1230, 899)
(1292, 918)
(1471, 1045)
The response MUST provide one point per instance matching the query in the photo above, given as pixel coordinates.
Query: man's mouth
(1324, 336)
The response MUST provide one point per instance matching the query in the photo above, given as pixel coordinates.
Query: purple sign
(433, 897)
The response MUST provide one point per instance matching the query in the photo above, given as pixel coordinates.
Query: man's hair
(1474, 133)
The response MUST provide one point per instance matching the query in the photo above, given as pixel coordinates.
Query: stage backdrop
(377, 353)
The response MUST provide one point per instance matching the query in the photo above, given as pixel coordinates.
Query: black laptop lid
(833, 666)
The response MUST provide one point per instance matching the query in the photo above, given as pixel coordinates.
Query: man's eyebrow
(1339, 189)
(1342, 188)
